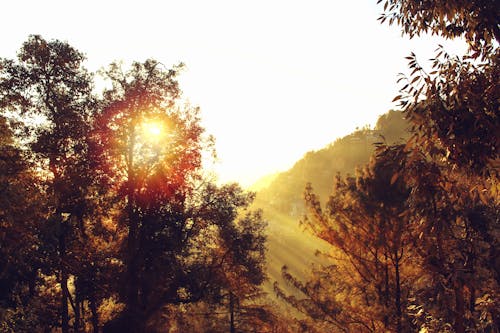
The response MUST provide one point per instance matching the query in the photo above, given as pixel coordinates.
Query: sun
(153, 130)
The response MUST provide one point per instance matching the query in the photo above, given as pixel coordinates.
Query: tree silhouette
(452, 163)
(173, 219)
(365, 289)
(21, 206)
(49, 82)
(443, 235)
(109, 199)
(476, 20)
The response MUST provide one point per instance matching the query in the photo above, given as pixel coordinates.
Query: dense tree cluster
(108, 223)
(415, 235)
(105, 226)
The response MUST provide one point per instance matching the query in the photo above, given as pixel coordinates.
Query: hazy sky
(274, 79)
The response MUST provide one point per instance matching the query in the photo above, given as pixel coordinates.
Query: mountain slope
(282, 202)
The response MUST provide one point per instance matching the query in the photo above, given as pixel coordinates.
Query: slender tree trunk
(132, 295)
(399, 313)
(76, 324)
(77, 309)
(386, 291)
(472, 300)
(95, 315)
(82, 307)
(132, 278)
(459, 308)
(32, 283)
(64, 303)
(64, 281)
(62, 251)
(232, 328)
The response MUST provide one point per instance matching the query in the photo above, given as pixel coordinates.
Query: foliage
(363, 223)
(48, 82)
(20, 207)
(453, 163)
(183, 241)
(442, 243)
(206, 317)
(102, 221)
(454, 110)
(476, 20)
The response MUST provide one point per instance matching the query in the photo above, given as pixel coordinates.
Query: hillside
(282, 202)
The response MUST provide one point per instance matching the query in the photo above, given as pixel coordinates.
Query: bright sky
(274, 79)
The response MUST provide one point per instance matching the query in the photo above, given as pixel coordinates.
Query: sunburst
(153, 130)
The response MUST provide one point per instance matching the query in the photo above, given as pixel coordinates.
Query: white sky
(274, 79)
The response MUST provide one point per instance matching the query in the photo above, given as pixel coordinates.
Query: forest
(109, 222)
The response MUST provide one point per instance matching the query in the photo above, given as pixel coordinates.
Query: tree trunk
(64, 279)
(32, 283)
(82, 307)
(232, 328)
(459, 308)
(78, 308)
(132, 281)
(399, 327)
(386, 291)
(95, 315)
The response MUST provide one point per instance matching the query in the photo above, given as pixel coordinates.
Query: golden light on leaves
(151, 140)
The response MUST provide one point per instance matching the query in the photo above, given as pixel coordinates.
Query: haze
(273, 79)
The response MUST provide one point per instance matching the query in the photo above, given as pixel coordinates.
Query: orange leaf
(398, 97)
(394, 178)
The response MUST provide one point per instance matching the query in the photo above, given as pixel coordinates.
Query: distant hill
(263, 182)
(280, 195)
(284, 192)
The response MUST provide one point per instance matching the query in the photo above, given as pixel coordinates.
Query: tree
(452, 163)
(21, 203)
(49, 83)
(124, 212)
(240, 243)
(227, 260)
(476, 20)
(181, 231)
(366, 287)
(457, 103)
(146, 176)
(455, 230)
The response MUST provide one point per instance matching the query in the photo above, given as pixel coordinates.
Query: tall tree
(21, 206)
(457, 103)
(453, 161)
(48, 83)
(145, 174)
(240, 244)
(150, 147)
(128, 211)
(366, 288)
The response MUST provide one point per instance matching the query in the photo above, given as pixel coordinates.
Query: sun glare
(153, 130)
